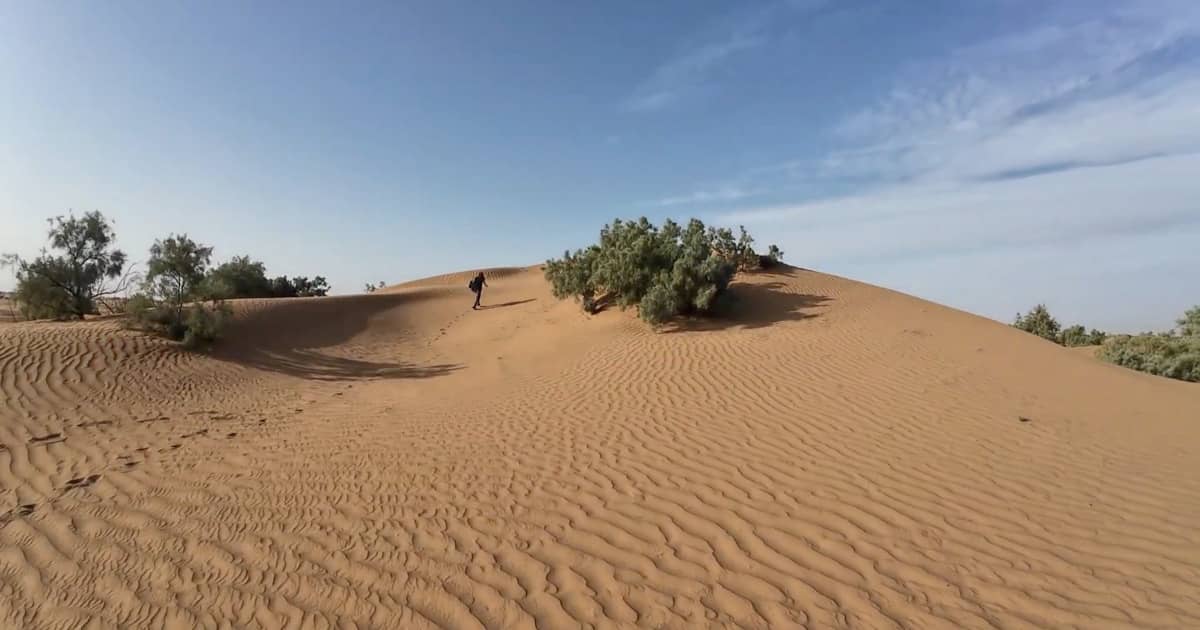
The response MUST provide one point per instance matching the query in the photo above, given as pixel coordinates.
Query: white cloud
(686, 72)
(689, 71)
(1055, 145)
(724, 193)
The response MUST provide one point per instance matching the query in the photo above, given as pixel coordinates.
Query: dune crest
(824, 453)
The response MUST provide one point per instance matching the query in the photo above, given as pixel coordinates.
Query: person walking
(477, 286)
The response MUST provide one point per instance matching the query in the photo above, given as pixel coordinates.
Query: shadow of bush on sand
(750, 305)
(314, 365)
(289, 337)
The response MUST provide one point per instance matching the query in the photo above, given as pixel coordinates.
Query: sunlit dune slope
(824, 453)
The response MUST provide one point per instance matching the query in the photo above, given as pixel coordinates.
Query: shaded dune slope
(823, 454)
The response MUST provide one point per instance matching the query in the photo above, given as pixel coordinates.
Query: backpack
(473, 284)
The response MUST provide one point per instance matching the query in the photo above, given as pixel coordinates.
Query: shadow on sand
(290, 337)
(311, 364)
(488, 307)
(755, 305)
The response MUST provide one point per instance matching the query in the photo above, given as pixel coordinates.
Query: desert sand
(824, 454)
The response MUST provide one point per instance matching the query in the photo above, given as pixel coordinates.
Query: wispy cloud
(722, 194)
(1099, 91)
(687, 72)
(1050, 144)
(690, 70)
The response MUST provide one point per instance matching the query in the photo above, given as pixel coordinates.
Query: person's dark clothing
(477, 286)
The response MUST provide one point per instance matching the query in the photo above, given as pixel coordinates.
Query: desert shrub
(772, 258)
(317, 287)
(664, 272)
(240, 277)
(281, 286)
(1038, 321)
(299, 286)
(738, 252)
(571, 276)
(83, 268)
(37, 297)
(1073, 336)
(658, 305)
(1161, 354)
(1189, 324)
(371, 288)
(175, 272)
(179, 299)
(204, 324)
(1096, 337)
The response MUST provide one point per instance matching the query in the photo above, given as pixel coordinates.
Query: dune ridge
(825, 453)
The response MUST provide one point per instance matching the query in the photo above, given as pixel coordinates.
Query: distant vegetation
(664, 272)
(180, 296)
(371, 288)
(1038, 321)
(1174, 354)
(78, 268)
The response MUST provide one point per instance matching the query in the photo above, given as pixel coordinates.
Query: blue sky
(984, 154)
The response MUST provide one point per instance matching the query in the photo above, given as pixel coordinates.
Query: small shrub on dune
(204, 324)
(179, 300)
(1073, 336)
(1038, 321)
(772, 258)
(664, 271)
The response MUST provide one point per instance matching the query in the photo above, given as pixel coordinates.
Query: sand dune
(824, 454)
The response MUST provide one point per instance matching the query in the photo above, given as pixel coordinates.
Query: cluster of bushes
(663, 271)
(180, 295)
(1174, 354)
(177, 300)
(1038, 321)
(242, 277)
(371, 288)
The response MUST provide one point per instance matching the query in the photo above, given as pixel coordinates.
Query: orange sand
(827, 454)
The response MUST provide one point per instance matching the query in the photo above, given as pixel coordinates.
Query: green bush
(571, 276)
(240, 277)
(1038, 321)
(205, 323)
(773, 257)
(180, 300)
(1073, 336)
(1189, 324)
(299, 286)
(317, 287)
(1161, 354)
(85, 268)
(37, 297)
(664, 272)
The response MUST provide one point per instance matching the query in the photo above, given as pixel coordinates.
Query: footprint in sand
(81, 482)
(17, 512)
(49, 438)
